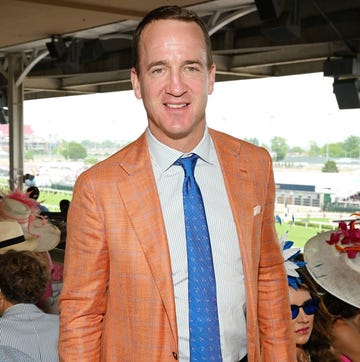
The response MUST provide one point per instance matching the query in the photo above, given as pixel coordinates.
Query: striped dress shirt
(224, 243)
(30, 330)
(9, 354)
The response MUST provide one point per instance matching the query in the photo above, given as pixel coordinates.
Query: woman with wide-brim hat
(310, 319)
(333, 260)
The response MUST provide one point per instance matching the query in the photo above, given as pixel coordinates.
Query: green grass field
(298, 234)
(51, 199)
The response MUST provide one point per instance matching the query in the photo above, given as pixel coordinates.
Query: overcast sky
(299, 108)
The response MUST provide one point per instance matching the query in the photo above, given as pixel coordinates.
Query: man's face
(174, 81)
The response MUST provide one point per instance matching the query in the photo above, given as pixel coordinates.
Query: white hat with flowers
(333, 260)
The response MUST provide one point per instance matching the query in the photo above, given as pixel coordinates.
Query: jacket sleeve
(83, 298)
(273, 294)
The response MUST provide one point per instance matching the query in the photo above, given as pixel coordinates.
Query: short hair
(23, 276)
(33, 192)
(64, 204)
(169, 12)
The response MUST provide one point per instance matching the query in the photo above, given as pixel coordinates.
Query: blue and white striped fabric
(9, 354)
(26, 328)
(224, 243)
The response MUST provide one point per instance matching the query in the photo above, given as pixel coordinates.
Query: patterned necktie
(203, 313)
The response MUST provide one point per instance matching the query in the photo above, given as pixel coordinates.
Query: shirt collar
(165, 156)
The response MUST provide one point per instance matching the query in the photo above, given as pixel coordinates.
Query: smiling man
(171, 248)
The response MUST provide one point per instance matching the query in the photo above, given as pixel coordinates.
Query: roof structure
(72, 47)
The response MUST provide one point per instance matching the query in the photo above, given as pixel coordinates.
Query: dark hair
(319, 343)
(64, 204)
(34, 192)
(169, 13)
(339, 308)
(23, 276)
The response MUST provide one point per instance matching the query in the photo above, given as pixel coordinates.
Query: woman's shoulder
(341, 326)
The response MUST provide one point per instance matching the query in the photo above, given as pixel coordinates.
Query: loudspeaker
(57, 47)
(269, 9)
(347, 92)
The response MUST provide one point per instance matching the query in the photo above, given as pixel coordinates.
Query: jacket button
(175, 355)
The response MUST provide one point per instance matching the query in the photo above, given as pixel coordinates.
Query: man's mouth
(176, 106)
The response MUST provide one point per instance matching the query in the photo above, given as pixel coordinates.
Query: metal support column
(16, 121)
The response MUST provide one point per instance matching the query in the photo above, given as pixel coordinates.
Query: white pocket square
(257, 210)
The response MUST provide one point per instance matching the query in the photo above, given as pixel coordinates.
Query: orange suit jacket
(117, 302)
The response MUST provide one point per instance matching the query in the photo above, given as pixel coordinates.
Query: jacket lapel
(147, 220)
(240, 189)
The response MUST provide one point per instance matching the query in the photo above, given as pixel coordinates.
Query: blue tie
(203, 313)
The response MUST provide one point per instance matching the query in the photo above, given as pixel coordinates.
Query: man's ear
(212, 73)
(135, 83)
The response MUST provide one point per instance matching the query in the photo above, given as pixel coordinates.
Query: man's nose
(176, 85)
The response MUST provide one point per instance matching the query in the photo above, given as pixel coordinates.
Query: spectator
(23, 326)
(34, 193)
(310, 319)
(345, 330)
(333, 260)
(64, 205)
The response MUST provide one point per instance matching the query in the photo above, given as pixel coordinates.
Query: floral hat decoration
(18, 207)
(333, 260)
(291, 264)
(347, 238)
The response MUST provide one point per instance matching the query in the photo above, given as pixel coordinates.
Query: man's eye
(157, 71)
(191, 68)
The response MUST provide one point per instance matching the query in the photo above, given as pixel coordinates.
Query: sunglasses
(309, 307)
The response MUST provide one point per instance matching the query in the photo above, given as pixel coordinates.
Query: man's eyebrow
(155, 64)
(190, 61)
(164, 63)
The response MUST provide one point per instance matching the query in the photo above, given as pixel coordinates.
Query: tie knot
(188, 164)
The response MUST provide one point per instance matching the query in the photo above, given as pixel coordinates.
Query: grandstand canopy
(84, 46)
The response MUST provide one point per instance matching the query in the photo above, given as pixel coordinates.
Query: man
(125, 293)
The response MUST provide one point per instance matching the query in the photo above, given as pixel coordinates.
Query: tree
(330, 167)
(352, 147)
(314, 150)
(279, 147)
(91, 161)
(73, 151)
(334, 150)
(252, 140)
(297, 149)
